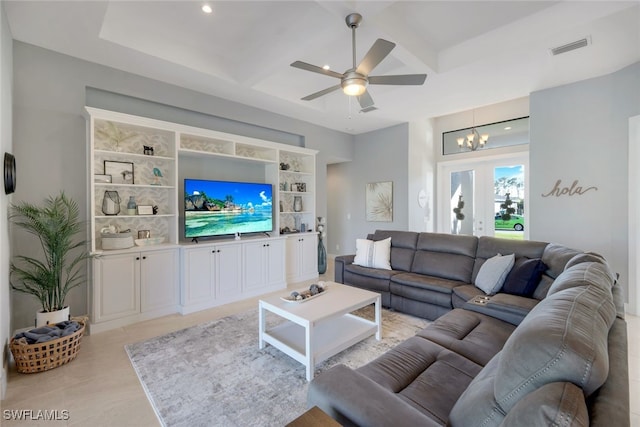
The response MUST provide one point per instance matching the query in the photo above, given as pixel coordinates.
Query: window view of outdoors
(509, 202)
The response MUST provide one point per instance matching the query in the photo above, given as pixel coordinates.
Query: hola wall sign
(574, 189)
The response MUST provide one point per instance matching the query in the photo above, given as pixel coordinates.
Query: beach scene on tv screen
(213, 208)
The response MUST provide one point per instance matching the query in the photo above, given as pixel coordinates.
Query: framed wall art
(379, 201)
(121, 172)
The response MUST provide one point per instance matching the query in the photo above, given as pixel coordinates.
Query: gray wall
(50, 91)
(378, 156)
(580, 132)
(6, 145)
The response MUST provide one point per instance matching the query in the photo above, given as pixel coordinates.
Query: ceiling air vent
(571, 46)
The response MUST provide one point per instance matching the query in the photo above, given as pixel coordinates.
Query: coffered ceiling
(475, 53)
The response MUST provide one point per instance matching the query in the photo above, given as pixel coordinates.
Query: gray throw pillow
(493, 272)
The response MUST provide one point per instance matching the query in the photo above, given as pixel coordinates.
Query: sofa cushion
(554, 404)
(424, 374)
(433, 290)
(476, 336)
(373, 254)
(445, 255)
(477, 406)
(491, 246)
(524, 277)
(493, 273)
(403, 247)
(556, 257)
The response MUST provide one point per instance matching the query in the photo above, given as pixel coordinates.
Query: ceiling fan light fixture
(354, 84)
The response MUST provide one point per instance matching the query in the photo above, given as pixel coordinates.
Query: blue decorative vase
(322, 256)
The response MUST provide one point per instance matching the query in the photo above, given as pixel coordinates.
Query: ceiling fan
(354, 81)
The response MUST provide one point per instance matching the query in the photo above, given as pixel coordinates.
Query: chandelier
(474, 140)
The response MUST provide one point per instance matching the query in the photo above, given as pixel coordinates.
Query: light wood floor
(100, 387)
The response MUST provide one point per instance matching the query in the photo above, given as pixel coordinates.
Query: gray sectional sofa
(555, 357)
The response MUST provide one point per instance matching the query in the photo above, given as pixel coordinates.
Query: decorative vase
(131, 205)
(44, 318)
(111, 203)
(297, 203)
(322, 256)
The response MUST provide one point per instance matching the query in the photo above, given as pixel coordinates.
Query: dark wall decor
(9, 173)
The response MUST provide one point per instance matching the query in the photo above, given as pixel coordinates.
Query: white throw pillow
(373, 254)
(493, 272)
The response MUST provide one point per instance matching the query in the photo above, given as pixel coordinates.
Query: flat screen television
(217, 208)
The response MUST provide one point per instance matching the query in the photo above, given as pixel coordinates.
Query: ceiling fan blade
(365, 100)
(320, 93)
(316, 69)
(380, 49)
(405, 79)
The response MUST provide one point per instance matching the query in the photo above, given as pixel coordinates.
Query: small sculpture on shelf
(157, 174)
(147, 150)
(284, 166)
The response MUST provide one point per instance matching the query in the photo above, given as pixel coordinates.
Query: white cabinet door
(198, 283)
(116, 291)
(309, 256)
(292, 258)
(275, 262)
(254, 260)
(302, 257)
(264, 264)
(228, 271)
(158, 280)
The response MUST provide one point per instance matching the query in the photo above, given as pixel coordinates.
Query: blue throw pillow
(524, 277)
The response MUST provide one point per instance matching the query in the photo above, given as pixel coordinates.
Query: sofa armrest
(353, 399)
(610, 405)
(508, 308)
(340, 262)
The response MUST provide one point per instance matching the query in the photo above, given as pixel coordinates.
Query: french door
(485, 196)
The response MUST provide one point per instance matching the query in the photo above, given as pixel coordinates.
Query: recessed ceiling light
(326, 67)
(206, 8)
(507, 128)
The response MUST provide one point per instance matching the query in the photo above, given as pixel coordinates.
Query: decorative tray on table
(314, 291)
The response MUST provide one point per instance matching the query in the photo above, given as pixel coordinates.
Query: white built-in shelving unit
(144, 282)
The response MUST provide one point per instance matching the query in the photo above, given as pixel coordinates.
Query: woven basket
(32, 358)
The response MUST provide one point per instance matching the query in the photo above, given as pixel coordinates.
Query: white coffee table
(321, 327)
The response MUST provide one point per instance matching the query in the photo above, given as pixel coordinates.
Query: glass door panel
(461, 201)
(509, 221)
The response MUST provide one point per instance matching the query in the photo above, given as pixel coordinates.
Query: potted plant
(56, 225)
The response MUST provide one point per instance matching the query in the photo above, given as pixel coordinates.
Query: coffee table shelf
(321, 328)
(290, 338)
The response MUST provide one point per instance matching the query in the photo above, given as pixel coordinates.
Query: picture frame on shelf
(121, 172)
(145, 210)
(102, 179)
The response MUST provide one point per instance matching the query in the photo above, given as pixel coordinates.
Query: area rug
(213, 374)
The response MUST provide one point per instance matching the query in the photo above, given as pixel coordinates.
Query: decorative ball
(294, 294)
